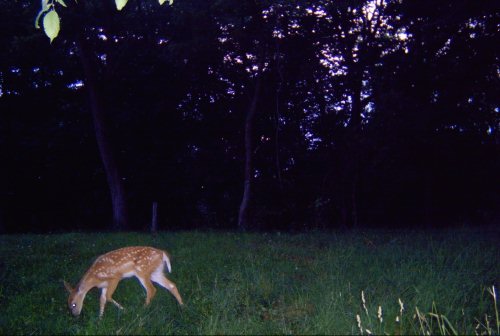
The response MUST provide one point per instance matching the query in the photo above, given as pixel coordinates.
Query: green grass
(234, 283)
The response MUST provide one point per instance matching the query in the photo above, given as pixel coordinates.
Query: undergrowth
(372, 282)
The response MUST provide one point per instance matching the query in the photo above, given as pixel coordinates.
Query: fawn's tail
(166, 260)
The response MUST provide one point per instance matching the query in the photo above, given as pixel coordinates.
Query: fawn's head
(75, 299)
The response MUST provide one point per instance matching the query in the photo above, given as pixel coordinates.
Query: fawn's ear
(68, 286)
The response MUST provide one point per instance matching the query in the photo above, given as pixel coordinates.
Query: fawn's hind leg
(160, 279)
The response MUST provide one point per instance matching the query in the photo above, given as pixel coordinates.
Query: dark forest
(250, 115)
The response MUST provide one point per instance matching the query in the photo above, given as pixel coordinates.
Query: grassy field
(233, 283)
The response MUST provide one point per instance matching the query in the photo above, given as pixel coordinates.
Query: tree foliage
(52, 21)
(376, 112)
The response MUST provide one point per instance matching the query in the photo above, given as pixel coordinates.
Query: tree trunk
(115, 183)
(277, 145)
(354, 200)
(355, 146)
(154, 218)
(428, 201)
(2, 225)
(344, 222)
(244, 216)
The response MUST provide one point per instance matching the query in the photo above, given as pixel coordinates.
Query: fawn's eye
(73, 305)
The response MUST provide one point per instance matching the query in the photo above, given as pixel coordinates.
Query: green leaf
(61, 2)
(45, 5)
(37, 20)
(51, 24)
(120, 4)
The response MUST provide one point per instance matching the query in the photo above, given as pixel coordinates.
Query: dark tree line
(251, 115)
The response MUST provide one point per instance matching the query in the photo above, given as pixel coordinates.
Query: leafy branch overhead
(52, 22)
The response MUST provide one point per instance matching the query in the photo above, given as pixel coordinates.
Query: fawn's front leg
(111, 289)
(106, 295)
(102, 301)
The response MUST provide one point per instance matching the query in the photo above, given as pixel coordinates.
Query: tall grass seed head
(493, 292)
(379, 314)
(364, 302)
(358, 319)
